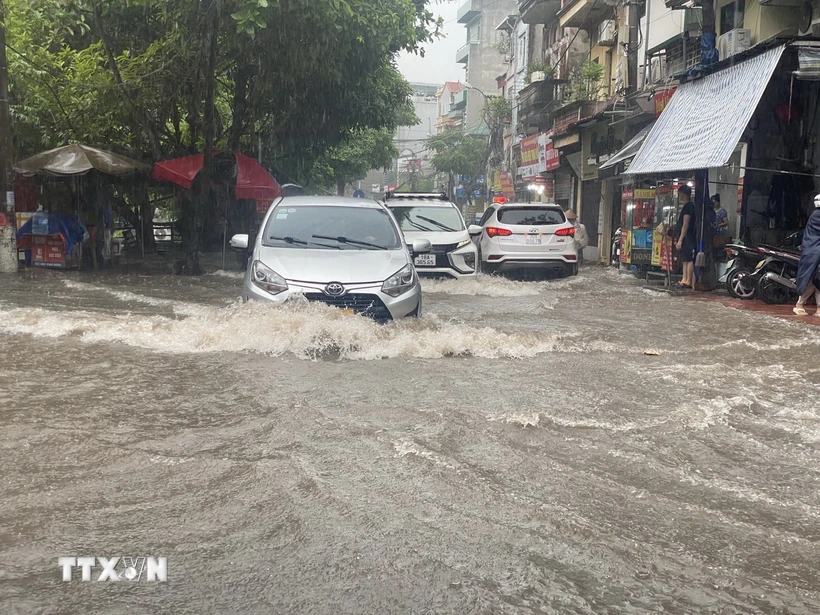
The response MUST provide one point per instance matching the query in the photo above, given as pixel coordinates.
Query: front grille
(443, 248)
(368, 305)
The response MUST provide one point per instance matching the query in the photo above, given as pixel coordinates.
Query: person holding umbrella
(807, 269)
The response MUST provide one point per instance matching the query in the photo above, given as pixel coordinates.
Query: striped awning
(705, 119)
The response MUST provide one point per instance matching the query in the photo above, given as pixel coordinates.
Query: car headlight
(466, 242)
(400, 282)
(267, 279)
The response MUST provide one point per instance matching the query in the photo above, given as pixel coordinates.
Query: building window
(732, 14)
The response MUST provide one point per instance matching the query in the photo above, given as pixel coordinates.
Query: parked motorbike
(776, 281)
(615, 250)
(747, 265)
(742, 261)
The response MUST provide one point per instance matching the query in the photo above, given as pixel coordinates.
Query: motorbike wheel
(739, 286)
(771, 292)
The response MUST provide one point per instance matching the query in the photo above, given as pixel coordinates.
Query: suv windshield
(445, 218)
(331, 228)
(531, 215)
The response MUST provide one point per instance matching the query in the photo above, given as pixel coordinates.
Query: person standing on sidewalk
(581, 236)
(687, 238)
(807, 269)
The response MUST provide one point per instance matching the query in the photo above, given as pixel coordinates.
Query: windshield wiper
(418, 226)
(438, 224)
(301, 242)
(354, 242)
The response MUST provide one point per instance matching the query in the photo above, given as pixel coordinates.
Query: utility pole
(634, 22)
(8, 221)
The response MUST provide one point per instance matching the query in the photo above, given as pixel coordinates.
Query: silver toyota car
(348, 253)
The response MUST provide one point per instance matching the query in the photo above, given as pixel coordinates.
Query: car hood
(437, 238)
(323, 266)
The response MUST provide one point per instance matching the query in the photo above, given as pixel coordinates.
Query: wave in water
(306, 330)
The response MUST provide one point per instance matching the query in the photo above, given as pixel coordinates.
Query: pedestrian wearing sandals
(687, 238)
(808, 270)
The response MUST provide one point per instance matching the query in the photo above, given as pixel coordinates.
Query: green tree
(349, 161)
(461, 154)
(170, 77)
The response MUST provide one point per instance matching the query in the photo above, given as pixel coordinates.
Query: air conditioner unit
(734, 41)
(657, 69)
(809, 24)
(607, 32)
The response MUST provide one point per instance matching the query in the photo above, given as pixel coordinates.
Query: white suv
(525, 236)
(433, 217)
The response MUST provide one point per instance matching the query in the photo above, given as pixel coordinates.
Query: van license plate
(425, 260)
(533, 239)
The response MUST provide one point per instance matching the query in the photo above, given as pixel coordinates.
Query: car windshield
(446, 218)
(531, 215)
(331, 228)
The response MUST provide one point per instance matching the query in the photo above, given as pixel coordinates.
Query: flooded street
(513, 451)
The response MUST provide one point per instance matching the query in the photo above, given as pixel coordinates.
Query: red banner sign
(662, 99)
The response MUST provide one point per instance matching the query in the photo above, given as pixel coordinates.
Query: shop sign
(529, 158)
(552, 158)
(644, 194)
(507, 186)
(657, 247)
(662, 99)
(627, 194)
(626, 246)
(641, 257)
(664, 189)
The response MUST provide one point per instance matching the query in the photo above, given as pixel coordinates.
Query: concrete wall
(485, 62)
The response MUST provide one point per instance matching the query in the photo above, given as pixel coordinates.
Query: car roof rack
(440, 196)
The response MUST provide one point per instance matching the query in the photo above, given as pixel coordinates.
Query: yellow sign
(657, 245)
(644, 194)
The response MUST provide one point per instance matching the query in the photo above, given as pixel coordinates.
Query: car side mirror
(421, 246)
(239, 242)
(474, 230)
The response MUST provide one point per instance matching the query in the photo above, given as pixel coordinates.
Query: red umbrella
(252, 180)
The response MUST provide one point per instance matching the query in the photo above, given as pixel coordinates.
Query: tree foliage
(460, 154)
(360, 152)
(171, 77)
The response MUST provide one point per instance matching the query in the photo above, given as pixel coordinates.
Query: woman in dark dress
(807, 270)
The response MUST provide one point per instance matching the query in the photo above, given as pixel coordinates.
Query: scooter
(747, 265)
(777, 280)
(742, 261)
(615, 251)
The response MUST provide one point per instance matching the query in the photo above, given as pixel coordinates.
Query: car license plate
(533, 239)
(425, 260)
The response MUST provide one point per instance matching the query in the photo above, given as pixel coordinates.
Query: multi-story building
(600, 73)
(482, 59)
(447, 116)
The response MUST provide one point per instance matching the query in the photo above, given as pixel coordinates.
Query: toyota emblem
(334, 289)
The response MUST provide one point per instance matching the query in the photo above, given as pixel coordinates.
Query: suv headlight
(400, 282)
(267, 279)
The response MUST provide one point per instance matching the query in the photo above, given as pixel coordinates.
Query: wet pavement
(514, 451)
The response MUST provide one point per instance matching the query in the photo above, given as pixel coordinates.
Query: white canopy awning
(705, 119)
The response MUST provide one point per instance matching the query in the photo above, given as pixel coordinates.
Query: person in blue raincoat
(807, 270)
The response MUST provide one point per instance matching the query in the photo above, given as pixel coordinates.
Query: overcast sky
(439, 62)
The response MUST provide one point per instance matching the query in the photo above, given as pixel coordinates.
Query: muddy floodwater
(513, 451)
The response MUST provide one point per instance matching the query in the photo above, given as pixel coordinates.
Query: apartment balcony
(459, 101)
(456, 114)
(463, 53)
(574, 112)
(539, 11)
(534, 104)
(585, 14)
(469, 11)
